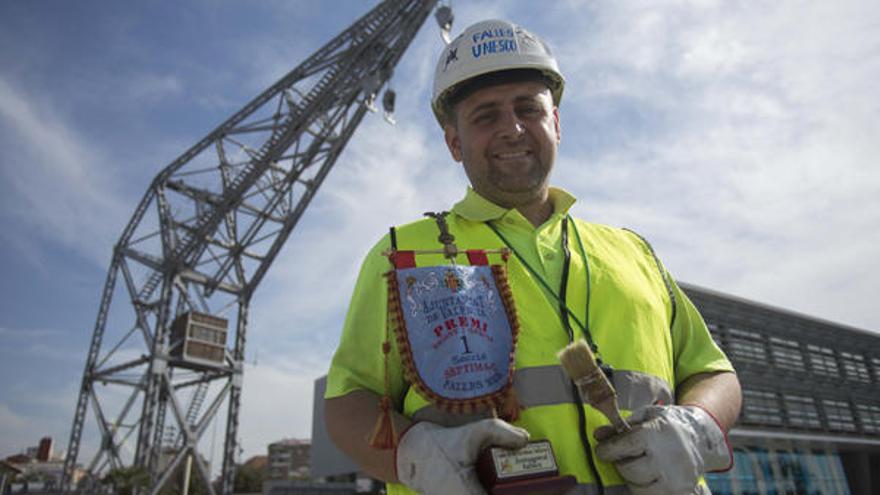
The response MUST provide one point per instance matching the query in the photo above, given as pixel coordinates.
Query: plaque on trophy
(530, 470)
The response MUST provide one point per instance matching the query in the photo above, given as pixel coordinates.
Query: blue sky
(739, 137)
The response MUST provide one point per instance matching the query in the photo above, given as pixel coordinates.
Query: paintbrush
(580, 365)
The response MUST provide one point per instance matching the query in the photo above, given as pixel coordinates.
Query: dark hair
(472, 85)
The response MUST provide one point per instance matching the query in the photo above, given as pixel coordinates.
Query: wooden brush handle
(597, 391)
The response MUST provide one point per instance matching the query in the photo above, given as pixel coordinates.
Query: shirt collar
(479, 209)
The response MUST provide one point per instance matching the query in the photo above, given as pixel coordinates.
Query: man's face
(506, 137)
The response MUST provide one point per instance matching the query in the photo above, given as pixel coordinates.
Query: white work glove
(432, 459)
(667, 450)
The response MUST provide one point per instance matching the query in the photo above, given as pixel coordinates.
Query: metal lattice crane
(199, 243)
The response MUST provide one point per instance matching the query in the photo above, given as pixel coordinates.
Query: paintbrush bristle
(580, 365)
(577, 360)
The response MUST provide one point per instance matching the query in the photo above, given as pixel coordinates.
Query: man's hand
(432, 459)
(667, 450)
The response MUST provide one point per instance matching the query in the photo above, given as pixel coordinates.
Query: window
(746, 471)
(875, 362)
(747, 346)
(787, 354)
(207, 334)
(757, 470)
(869, 415)
(839, 415)
(854, 365)
(204, 351)
(823, 362)
(761, 407)
(802, 412)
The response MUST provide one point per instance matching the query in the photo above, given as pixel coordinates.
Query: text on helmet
(487, 41)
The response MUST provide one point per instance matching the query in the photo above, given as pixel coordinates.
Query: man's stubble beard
(511, 191)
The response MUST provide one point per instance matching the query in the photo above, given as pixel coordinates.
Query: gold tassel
(510, 406)
(384, 434)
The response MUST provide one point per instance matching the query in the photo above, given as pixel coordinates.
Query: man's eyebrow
(528, 97)
(492, 104)
(484, 106)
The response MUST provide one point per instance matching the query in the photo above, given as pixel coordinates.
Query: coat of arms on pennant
(456, 329)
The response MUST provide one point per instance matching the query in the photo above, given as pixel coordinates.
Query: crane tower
(167, 350)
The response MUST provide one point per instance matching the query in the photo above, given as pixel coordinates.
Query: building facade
(289, 459)
(810, 421)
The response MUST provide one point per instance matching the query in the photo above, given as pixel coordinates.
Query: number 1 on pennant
(467, 349)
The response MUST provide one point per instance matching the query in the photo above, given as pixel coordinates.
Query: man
(496, 95)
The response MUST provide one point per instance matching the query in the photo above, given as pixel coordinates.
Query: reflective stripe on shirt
(548, 385)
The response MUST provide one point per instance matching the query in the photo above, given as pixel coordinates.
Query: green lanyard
(565, 314)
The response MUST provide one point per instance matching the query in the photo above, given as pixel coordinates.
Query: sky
(740, 138)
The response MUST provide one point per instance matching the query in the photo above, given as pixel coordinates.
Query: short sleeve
(358, 363)
(694, 349)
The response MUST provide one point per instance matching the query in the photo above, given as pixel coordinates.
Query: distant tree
(174, 486)
(124, 480)
(248, 479)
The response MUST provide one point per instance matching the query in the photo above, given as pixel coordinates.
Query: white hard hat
(492, 46)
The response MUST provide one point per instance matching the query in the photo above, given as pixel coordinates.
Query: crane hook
(444, 17)
(388, 105)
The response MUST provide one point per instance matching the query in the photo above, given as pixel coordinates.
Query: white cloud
(17, 430)
(27, 333)
(151, 88)
(59, 182)
(387, 176)
(13, 420)
(277, 402)
(753, 169)
(24, 422)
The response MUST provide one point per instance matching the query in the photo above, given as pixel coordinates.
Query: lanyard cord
(565, 315)
(565, 312)
(577, 235)
(563, 284)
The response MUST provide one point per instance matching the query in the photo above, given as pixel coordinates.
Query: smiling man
(497, 91)
(506, 138)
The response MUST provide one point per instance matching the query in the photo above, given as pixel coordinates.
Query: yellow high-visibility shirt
(652, 343)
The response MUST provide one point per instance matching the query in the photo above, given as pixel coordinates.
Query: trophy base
(557, 485)
(531, 470)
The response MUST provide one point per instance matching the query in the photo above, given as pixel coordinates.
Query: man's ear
(556, 125)
(453, 141)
